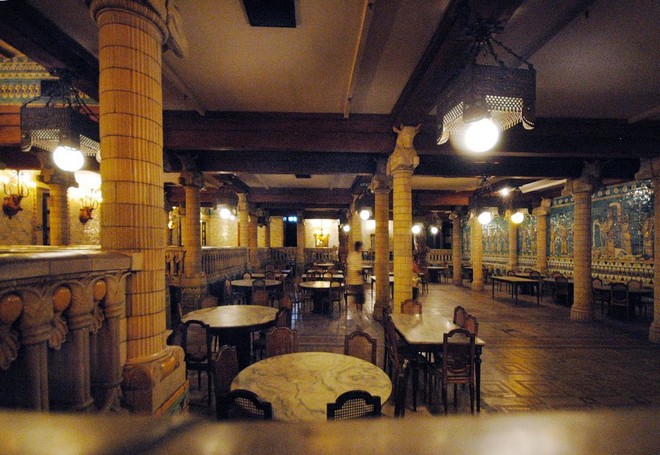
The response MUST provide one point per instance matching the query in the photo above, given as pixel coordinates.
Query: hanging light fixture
(59, 121)
(518, 217)
(485, 99)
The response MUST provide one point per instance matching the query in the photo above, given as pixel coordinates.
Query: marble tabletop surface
(299, 386)
(320, 284)
(247, 283)
(233, 316)
(419, 330)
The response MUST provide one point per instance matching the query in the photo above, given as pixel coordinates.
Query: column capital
(649, 168)
(381, 183)
(404, 157)
(193, 179)
(164, 14)
(586, 183)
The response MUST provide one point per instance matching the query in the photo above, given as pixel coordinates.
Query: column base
(582, 314)
(477, 286)
(158, 387)
(654, 332)
(457, 281)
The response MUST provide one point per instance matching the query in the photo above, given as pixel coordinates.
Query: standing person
(354, 274)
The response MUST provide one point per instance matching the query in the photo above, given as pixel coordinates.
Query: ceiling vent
(271, 13)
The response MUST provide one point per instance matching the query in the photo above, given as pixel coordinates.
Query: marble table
(299, 386)
(233, 324)
(319, 290)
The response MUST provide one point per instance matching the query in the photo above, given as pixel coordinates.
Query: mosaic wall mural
(496, 237)
(527, 237)
(560, 221)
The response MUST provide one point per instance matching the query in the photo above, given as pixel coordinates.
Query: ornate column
(401, 165)
(541, 212)
(381, 185)
(513, 242)
(356, 225)
(253, 240)
(132, 36)
(476, 251)
(456, 248)
(243, 220)
(300, 243)
(582, 188)
(650, 168)
(59, 211)
(267, 233)
(193, 283)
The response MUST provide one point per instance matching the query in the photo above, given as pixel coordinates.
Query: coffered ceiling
(256, 106)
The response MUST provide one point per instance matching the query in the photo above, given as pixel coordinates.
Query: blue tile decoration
(527, 238)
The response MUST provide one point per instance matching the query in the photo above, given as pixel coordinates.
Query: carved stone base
(149, 388)
(582, 313)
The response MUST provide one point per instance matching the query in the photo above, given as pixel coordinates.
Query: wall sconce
(16, 186)
(89, 184)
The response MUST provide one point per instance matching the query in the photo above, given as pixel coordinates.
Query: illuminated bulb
(482, 135)
(434, 230)
(485, 218)
(505, 191)
(225, 213)
(517, 217)
(68, 159)
(416, 229)
(346, 228)
(364, 214)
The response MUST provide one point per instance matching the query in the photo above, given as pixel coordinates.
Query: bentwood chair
(460, 314)
(282, 319)
(561, 291)
(195, 339)
(242, 404)
(471, 324)
(619, 299)
(361, 345)
(458, 361)
(281, 340)
(600, 296)
(225, 368)
(411, 306)
(260, 297)
(354, 404)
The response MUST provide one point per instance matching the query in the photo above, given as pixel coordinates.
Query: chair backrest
(596, 282)
(209, 302)
(411, 306)
(535, 275)
(260, 297)
(247, 276)
(258, 283)
(269, 267)
(618, 293)
(286, 302)
(390, 341)
(242, 404)
(361, 345)
(281, 340)
(196, 342)
(510, 273)
(460, 314)
(635, 284)
(225, 369)
(227, 292)
(326, 276)
(471, 324)
(283, 317)
(458, 357)
(354, 404)
(269, 275)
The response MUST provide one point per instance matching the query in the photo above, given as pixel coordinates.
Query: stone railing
(438, 256)
(321, 255)
(62, 345)
(218, 262)
(174, 263)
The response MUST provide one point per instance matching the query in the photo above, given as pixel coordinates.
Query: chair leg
(472, 398)
(444, 396)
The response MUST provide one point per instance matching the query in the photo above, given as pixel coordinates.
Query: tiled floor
(535, 357)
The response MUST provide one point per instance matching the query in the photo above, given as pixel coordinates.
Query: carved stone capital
(544, 208)
(381, 183)
(588, 182)
(404, 157)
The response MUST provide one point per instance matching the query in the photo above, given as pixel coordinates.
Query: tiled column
(513, 242)
(381, 186)
(267, 233)
(476, 250)
(456, 248)
(401, 165)
(650, 168)
(582, 189)
(243, 220)
(59, 212)
(193, 283)
(300, 244)
(356, 226)
(541, 212)
(252, 241)
(132, 36)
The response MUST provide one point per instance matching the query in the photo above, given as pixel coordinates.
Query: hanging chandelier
(485, 99)
(59, 121)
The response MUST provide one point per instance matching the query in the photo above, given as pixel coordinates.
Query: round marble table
(319, 288)
(233, 324)
(299, 386)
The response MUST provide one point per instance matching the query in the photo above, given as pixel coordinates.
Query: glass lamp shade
(434, 230)
(88, 179)
(346, 228)
(68, 159)
(364, 214)
(225, 213)
(416, 229)
(482, 135)
(485, 217)
(518, 217)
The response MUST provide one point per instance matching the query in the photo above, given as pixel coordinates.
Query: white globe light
(434, 230)
(485, 217)
(416, 229)
(371, 224)
(482, 135)
(68, 159)
(346, 228)
(225, 213)
(518, 217)
(364, 214)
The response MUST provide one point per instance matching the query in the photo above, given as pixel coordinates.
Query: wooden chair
(247, 276)
(258, 283)
(242, 404)
(397, 352)
(270, 275)
(209, 302)
(411, 306)
(561, 291)
(457, 366)
(636, 300)
(400, 387)
(618, 299)
(282, 319)
(471, 324)
(194, 338)
(460, 314)
(599, 296)
(225, 369)
(260, 297)
(335, 295)
(281, 340)
(354, 404)
(361, 345)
